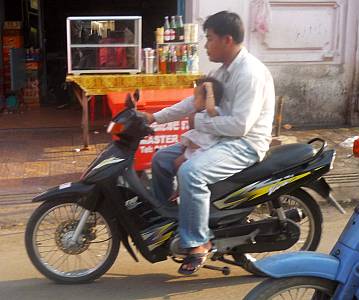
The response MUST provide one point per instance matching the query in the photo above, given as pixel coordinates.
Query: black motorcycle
(75, 235)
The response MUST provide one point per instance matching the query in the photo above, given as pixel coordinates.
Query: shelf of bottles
(177, 47)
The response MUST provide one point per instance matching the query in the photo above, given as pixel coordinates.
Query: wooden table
(87, 86)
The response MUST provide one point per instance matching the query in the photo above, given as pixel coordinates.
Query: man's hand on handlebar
(150, 118)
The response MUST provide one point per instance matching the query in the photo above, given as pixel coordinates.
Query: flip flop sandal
(195, 260)
(173, 197)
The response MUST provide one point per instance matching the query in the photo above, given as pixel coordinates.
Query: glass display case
(104, 44)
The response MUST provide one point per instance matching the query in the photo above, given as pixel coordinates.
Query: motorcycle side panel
(299, 264)
(138, 219)
(262, 190)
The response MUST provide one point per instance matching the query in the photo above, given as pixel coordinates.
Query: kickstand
(225, 270)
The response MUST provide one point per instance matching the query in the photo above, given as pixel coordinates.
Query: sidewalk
(32, 160)
(37, 149)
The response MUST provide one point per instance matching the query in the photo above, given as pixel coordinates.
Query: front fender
(85, 194)
(303, 263)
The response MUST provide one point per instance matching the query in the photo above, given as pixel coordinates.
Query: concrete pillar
(198, 10)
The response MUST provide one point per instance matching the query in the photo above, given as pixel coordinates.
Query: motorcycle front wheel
(299, 288)
(47, 240)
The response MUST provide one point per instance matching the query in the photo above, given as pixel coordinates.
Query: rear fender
(303, 263)
(86, 194)
(320, 186)
(323, 189)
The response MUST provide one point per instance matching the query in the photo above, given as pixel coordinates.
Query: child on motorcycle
(207, 96)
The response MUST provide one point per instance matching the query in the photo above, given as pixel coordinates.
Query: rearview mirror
(131, 100)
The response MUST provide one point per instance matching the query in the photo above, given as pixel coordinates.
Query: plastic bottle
(189, 63)
(180, 29)
(179, 67)
(162, 61)
(195, 62)
(168, 61)
(167, 30)
(184, 60)
(173, 29)
(174, 62)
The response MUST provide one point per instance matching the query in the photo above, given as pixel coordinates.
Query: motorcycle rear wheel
(310, 226)
(293, 288)
(46, 239)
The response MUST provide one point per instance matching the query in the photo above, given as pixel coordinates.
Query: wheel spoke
(51, 254)
(307, 224)
(40, 241)
(51, 241)
(98, 231)
(300, 293)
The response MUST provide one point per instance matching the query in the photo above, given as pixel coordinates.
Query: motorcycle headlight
(115, 128)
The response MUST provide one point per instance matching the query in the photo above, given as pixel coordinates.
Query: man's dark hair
(217, 88)
(226, 23)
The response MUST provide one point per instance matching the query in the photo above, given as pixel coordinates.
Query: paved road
(130, 280)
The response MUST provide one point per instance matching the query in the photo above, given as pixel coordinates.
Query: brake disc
(64, 234)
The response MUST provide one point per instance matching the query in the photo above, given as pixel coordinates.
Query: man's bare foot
(174, 196)
(202, 249)
(195, 259)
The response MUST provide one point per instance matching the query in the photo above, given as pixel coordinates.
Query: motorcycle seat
(278, 158)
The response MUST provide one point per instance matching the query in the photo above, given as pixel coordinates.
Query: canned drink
(149, 64)
(160, 35)
(187, 33)
(194, 33)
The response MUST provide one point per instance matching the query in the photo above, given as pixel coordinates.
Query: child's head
(217, 88)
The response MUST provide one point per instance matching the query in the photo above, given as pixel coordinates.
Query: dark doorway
(55, 14)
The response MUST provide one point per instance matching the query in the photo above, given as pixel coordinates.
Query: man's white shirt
(247, 105)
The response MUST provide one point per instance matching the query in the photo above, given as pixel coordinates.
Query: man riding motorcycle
(244, 129)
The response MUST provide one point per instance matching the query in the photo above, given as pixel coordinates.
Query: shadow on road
(118, 286)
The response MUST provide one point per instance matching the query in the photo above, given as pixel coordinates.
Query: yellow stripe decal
(270, 188)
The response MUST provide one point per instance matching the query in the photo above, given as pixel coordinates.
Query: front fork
(80, 226)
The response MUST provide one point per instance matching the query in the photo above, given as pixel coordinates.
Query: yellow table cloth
(101, 84)
(87, 86)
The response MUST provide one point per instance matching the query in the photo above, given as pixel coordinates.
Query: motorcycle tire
(316, 218)
(32, 245)
(272, 289)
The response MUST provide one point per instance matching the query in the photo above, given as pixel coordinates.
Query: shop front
(314, 63)
(43, 34)
(91, 50)
(97, 46)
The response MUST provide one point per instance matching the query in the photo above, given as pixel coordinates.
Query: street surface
(33, 160)
(130, 280)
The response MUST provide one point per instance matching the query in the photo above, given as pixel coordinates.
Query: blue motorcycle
(311, 275)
